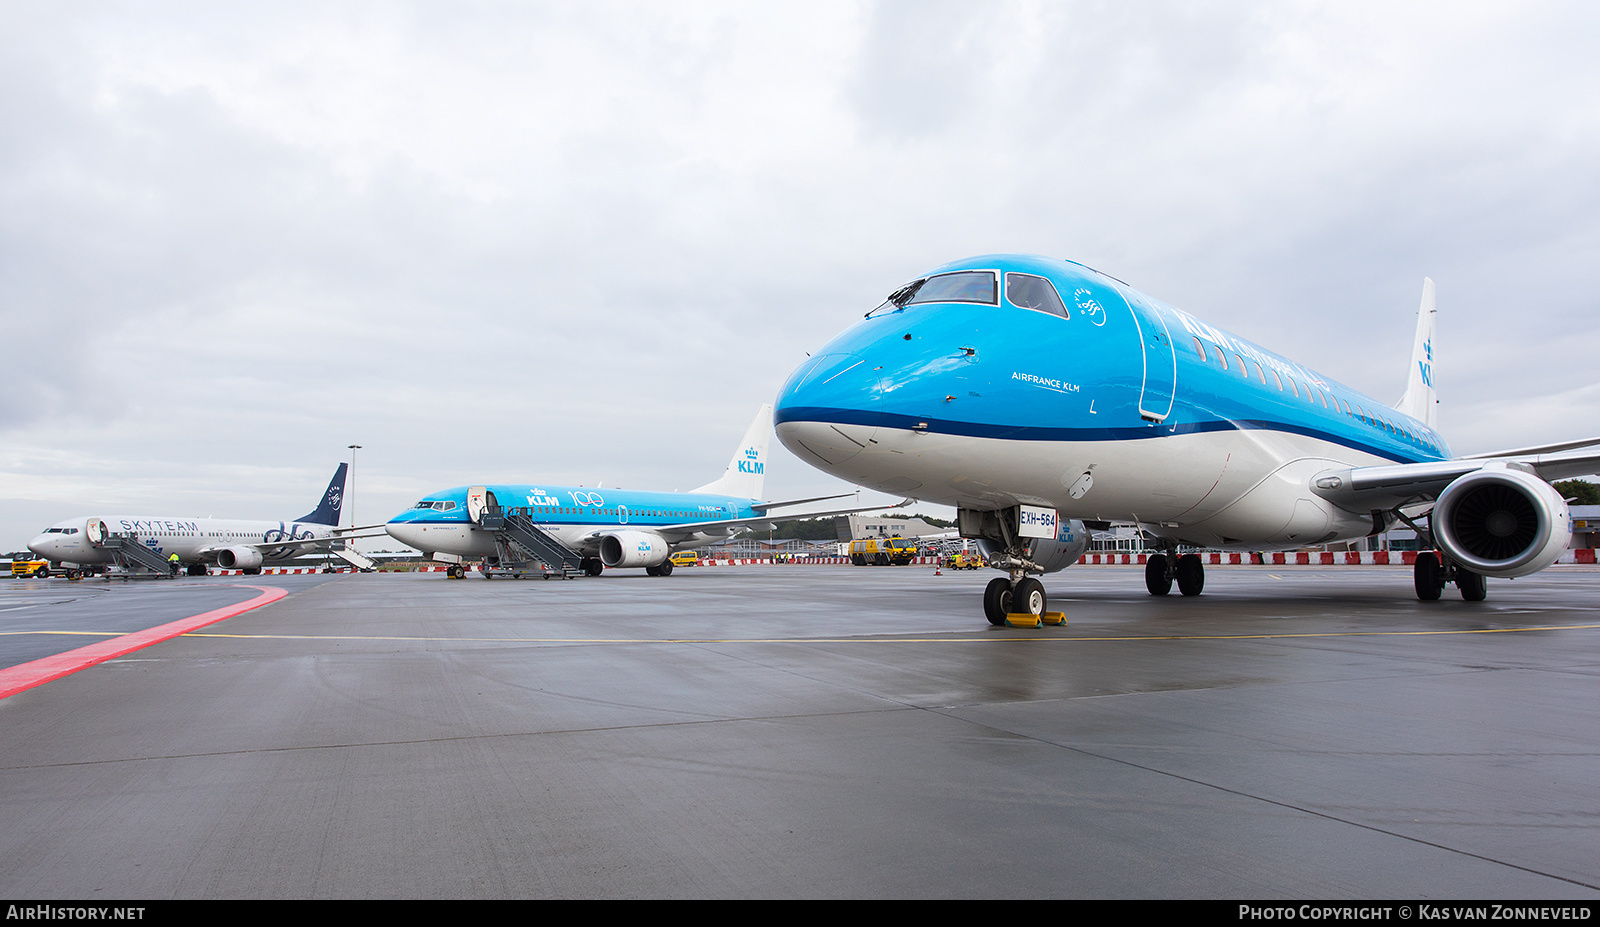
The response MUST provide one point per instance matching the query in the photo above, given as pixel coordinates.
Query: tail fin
(327, 511)
(1421, 400)
(747, 471)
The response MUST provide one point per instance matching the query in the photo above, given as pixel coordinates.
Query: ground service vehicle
(883, 551)
(30, 568)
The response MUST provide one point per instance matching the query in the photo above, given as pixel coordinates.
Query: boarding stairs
(519, 543)
(130, 553)
(355, 558)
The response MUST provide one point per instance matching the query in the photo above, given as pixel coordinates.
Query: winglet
(746, 472)
(1421, 399)
(327, 511)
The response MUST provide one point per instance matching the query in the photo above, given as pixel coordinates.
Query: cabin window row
(1313, 394)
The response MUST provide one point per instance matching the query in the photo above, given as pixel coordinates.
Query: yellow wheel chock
(1025, 620)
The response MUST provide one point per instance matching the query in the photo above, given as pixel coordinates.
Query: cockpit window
(1026, 291)
(967, 286)
(444, 506)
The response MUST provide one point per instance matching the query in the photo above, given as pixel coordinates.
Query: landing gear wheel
(652, 571)
(592, 566)
(1028, 597)
(1474, 588)
(1428, 577)
(453, 571)
(997, 600)
(1191, 574)
(665, 569)
(198, 569)
(1157, 578)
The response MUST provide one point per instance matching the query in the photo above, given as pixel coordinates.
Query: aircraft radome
(1042, 399)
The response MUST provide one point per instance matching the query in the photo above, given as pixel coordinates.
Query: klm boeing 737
(510, 526)
(81, 544)
(1042, 399)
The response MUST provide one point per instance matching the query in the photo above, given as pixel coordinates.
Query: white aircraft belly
(1249, 486)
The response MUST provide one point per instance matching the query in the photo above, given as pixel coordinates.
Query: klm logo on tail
(1426, 366)
(747, 468)
(751, 462)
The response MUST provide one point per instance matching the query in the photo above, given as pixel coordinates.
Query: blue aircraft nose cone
(828, 411)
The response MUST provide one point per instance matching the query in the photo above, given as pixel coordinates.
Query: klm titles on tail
(751, 462)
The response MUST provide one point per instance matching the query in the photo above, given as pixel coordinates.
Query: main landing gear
(1432, 571)
(1161, 569)
(1431, 576)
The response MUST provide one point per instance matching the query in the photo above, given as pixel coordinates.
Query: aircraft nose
(40, 545)
(828, 410)
(407, 533)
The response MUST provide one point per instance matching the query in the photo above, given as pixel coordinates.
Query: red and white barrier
(1276, 558)
(1311, 558)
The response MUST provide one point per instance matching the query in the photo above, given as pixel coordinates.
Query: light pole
(350, 493)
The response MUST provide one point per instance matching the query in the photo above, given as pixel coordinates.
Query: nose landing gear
(1002, 598)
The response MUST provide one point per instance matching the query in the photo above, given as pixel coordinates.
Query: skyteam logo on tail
(751, 462)
(334, 495)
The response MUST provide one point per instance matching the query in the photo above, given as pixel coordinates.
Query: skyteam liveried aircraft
(1042, 398)
(601, 527)
(78, 544)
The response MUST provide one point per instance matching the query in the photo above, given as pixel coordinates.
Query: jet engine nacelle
(1501, 522)
(1070, 543)
(238, 558)
(633, 549)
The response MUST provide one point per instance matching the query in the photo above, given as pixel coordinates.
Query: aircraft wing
(766, 506)
(1363, 489)
(677, 532)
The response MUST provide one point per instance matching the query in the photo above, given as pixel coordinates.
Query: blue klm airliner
(605, 527)
(1042, 398)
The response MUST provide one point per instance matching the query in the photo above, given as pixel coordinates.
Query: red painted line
(26, 676)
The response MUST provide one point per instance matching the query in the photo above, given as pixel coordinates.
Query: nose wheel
(1002, 598)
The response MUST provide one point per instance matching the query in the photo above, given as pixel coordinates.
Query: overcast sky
(580, 242)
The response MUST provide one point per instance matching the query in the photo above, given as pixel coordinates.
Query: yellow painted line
(1043, 636)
